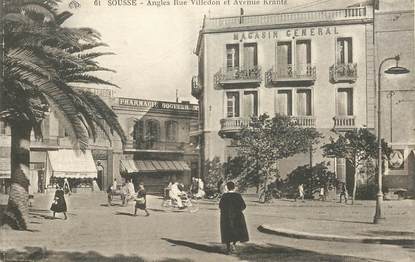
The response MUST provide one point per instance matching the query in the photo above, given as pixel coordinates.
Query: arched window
(138, 132)
(152, 130)
(171, 130)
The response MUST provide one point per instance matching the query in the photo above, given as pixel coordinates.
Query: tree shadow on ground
(156, 210)
(41, 254)
(268, 252)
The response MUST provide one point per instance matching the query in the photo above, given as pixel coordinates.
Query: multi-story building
(320, 68)
(315, 66)
(158, 148)
(394, 35)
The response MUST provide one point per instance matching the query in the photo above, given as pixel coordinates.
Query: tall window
(138, 133)
(284, 57)
(152, 130)
(232, 57)
(304, 102)
(284, 102)
(171, 130)
(344, 51)
(2, 128)
(232, 104)
(250, 103)
(303, 56)
(345, 102)
(250, 55)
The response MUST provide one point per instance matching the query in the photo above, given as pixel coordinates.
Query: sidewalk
(332, 221)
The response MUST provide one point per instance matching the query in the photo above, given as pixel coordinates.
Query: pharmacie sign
(141, 103)
(294, 32)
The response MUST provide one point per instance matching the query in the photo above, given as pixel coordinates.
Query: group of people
(323, 192)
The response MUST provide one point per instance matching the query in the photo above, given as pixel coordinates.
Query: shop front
(155, 174)
(76, 166)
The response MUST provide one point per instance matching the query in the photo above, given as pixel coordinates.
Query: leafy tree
(313, 179)
(356, 146)
(43, 62)
(213, 170)
(266, 141)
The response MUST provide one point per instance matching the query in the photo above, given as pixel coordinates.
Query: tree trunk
(354, 181)
(17, 213)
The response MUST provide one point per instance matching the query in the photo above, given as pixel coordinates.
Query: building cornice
(286, 26)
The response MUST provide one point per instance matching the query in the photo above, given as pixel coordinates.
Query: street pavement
(96, 232)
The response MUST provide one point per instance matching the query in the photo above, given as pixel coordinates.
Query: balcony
(196, 87)
(233, 125)
(358, 14)
(343, 72)
(238, 75)
(290, 73)
(344, 122)
(304, 121)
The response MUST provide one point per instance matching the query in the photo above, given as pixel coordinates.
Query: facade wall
(394, 31)
(323, 37)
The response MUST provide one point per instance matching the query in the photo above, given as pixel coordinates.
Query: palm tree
(42, 65)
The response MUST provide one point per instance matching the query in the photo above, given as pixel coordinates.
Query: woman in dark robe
(59, 203)
(232, 220)
(141, 200)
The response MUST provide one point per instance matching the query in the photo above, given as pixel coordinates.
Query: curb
(325, 237)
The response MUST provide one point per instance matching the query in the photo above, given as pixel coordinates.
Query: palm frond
(88, 79)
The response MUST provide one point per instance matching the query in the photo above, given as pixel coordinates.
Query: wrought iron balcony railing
(344, 122)
(302, 72)
(343, 72)
(196, 87)
(304, 121)
(241, 75)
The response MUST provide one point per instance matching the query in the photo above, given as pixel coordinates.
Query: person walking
(343, 192)
(300, 192)
(59, 203)
(141, 200)
(232, 220)
(66, 187)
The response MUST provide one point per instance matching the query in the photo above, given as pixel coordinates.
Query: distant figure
(141, 200)
(232, 221)
(322, 194)
(343, 192)
(66, 187)
(59, 203)
(200, 189)
(194, 186)
(114, 185)
(175, 194)
(300, 192)
(95, 187)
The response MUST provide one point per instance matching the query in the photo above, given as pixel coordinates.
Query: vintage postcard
(207, 130)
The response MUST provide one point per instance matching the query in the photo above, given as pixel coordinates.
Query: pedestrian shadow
(42, 254)
(124, 214)
(201, 247)
(267, 252)
(156, 210)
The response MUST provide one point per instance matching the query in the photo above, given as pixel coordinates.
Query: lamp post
(395, 70)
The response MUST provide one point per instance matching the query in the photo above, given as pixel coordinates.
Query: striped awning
(137, 166)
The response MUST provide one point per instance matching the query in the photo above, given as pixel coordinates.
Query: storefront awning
(136, 166)
(72, 164)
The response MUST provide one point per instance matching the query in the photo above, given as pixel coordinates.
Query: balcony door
(250, 104)
(303, 56)
(250, 55)
(345, 102)
(344, 51)
(284, 102)
(304, 102)
(284, 58)
(232, 57)
(232, 104)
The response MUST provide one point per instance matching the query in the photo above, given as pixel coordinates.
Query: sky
(154, 45)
